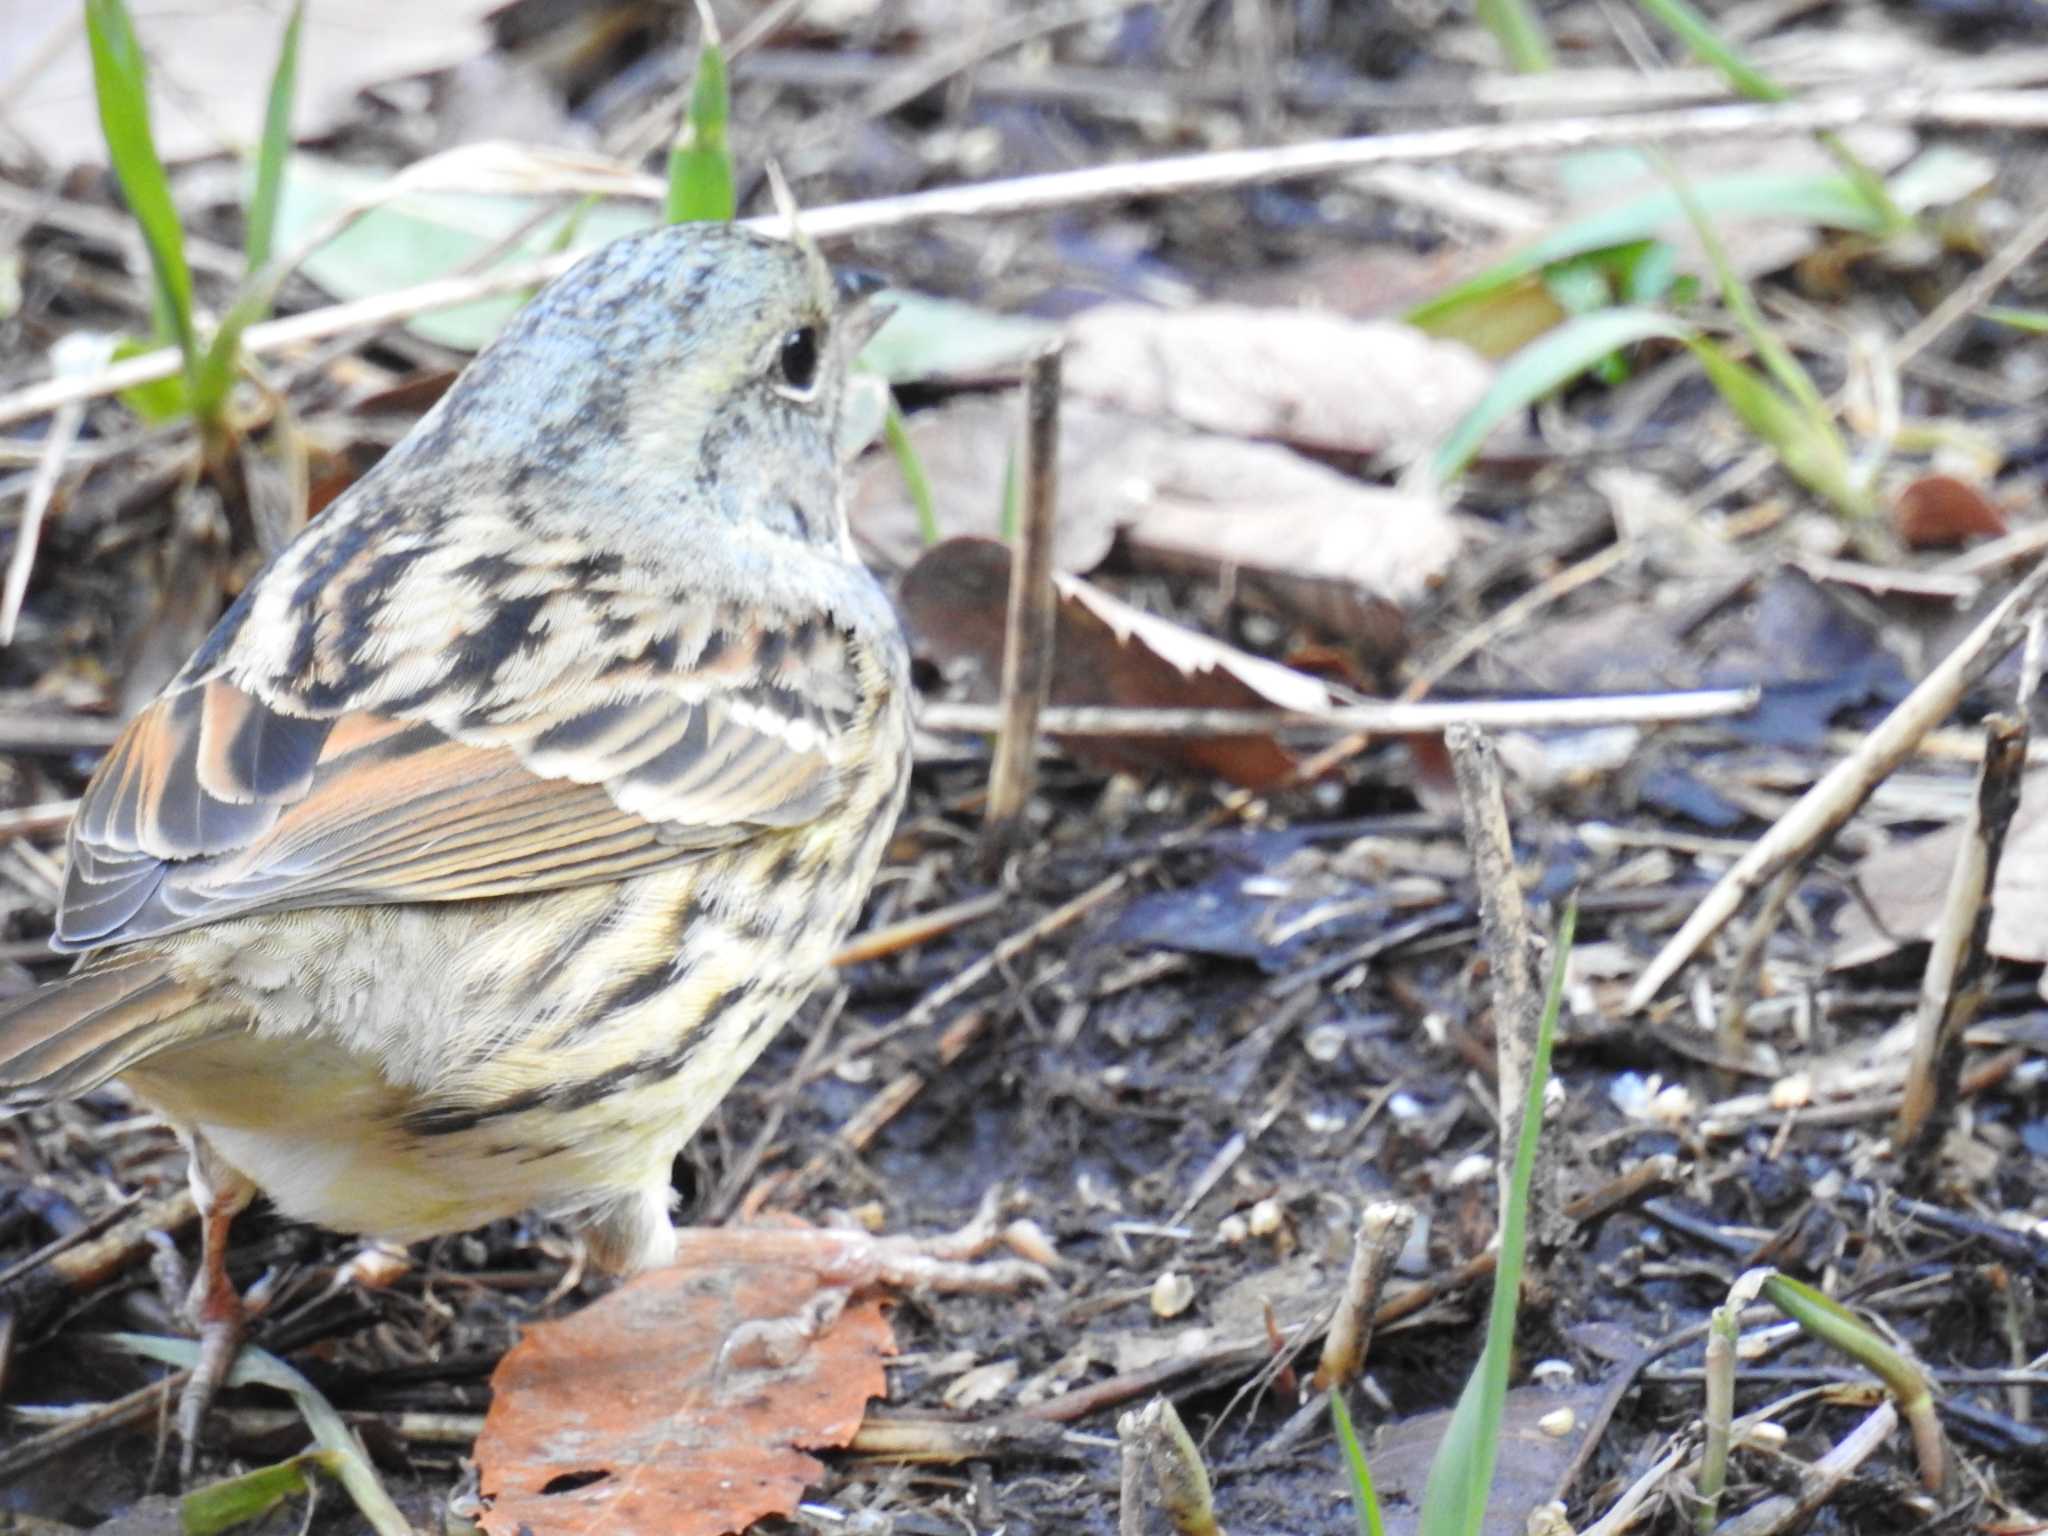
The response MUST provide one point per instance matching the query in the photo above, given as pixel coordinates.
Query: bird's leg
(213, 1306)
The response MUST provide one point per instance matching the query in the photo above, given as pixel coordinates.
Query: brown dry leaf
(1907, 882)
(210, 67)
(1938, 511)
(613, 1419)
(1106, 652)
(1349, 556)
(1318, 380)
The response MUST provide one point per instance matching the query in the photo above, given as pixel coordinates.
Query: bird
(511, 809)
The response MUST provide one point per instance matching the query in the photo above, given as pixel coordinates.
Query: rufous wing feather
(216, 803)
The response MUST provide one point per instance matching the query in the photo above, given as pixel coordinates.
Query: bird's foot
(849, 1260)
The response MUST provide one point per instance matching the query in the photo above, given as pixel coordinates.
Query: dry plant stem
(1130, 1502)
(1504, 923)
(1027, 637)
(1733, 1035)
(1972, 293)
(1832, 801)
(1497, 626)
(1158, 1443)
(1392, 718)
(1952, 986)
(58, 1277)
(1382, 1233)
(22, 731)
(42, 490)
(1719, 1416)
(1820, 1481)
(1154, 178)
(894, 938)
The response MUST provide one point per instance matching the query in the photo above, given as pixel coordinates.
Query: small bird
(514, 806)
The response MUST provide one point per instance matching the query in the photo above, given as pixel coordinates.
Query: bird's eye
(798, 359)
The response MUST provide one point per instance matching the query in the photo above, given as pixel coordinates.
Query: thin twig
(1822, 810)
(1028, 635)
(1971, 294)
(1151, 178)
(1952, 986)
(1388, 719)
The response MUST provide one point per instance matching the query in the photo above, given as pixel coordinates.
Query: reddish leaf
(615, 1418)
(1108, 653)
(1937, 511)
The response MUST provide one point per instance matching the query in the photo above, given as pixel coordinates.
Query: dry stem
(1028, 636)
(1832, 801)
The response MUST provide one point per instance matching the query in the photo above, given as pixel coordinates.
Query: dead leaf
(1939, 511)
(1108, 653)
(616, 1418)
(965, 448)
(1347, 556)
(1907, 882)
(210, 67)
(1318, 380)
(1532, 1459)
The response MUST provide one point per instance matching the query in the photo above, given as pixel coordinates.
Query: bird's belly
(321, 1131)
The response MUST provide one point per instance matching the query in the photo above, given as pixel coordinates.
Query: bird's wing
(219, 801)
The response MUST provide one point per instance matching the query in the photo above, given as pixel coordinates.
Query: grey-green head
(696, 370)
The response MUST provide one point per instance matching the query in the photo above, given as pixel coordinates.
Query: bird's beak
(862, 319)
(853, 284)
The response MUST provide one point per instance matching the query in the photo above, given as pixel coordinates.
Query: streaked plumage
(514, 806)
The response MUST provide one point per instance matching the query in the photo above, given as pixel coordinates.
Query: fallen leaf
(1106, 652)
(1345, 555)
(1317, 380)
(617, 1417)
(1531, 1461)
(928, 340)
(1939, 511)
(442, 216)
(210, 67)
(965, 448)
(1907, 882)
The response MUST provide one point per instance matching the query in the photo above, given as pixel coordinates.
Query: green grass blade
(1699, 35)
(120, 79)
(275, 147)
(2032, 320)
(1516, 27)
(1798, 197)
(897, 431)
(1532, 373)
(700, 182)
(1735, 293)
(1365, 1500)
(1708, 45)
(1806, 444)
(256, 1367)
(1461, 1475)
(236, 1501)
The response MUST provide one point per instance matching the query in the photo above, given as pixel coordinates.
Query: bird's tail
(69, 1036)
